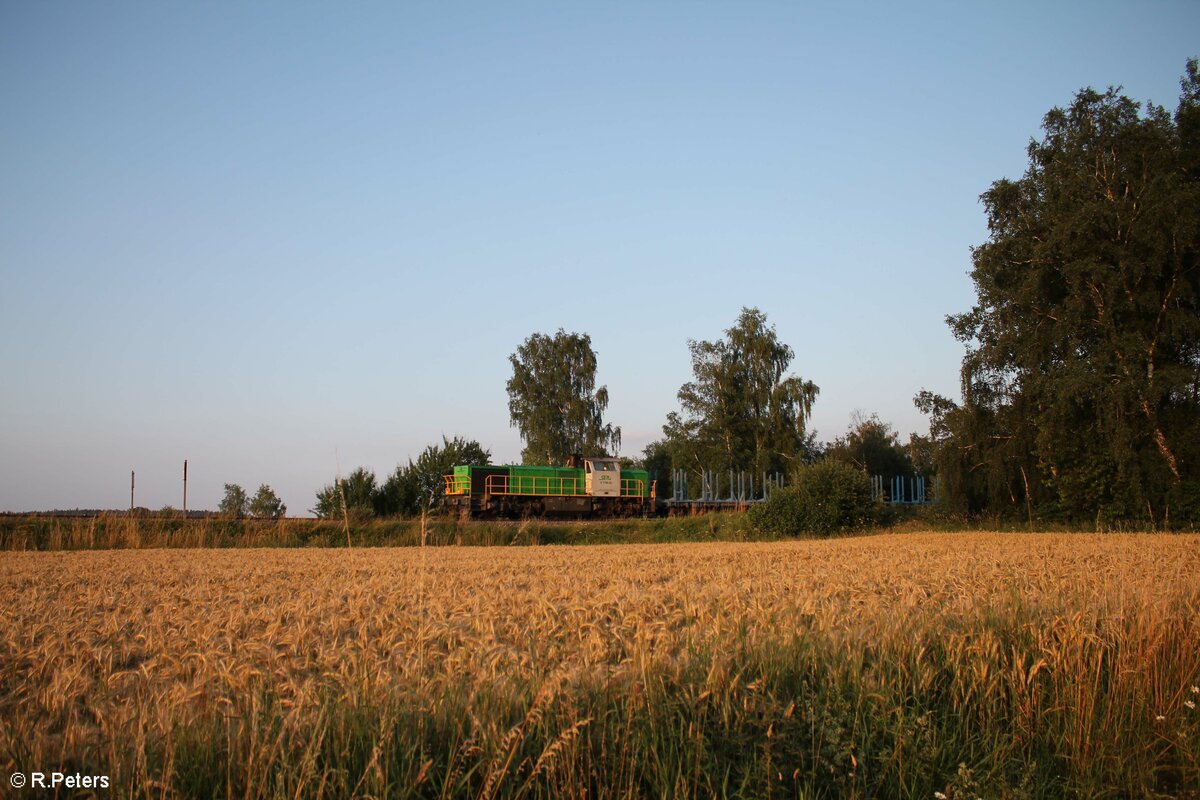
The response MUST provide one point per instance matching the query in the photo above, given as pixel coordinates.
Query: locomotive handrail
(457, 484)
(633, 487)
(532, 485)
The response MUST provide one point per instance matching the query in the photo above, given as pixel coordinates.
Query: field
(893, 666)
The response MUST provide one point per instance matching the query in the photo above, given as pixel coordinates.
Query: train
(585, 487)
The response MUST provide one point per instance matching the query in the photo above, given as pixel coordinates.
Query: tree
(409, 489)
(437, 461)
(656, 459)
(922, 453)
(984, 455)
(742, 410)
(235, 503)
(1081, 384)
(266, 504)
(872, 446)
(398, 494)
(553, 399)
(358, 490)
(420, 485)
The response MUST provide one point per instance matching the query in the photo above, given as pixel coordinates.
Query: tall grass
(117, 531)
(887, 666)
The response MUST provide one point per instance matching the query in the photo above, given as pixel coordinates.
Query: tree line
(1080, 383)
(743, 410)
(265, 504)
(408, 491)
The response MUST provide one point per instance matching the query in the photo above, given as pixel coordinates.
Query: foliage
(824, 498)
(741, 410)
(329, 502)
(405, 492)
(922, 453)
(1081, 385)
(656, 459)
(266, 504)
(420, 485)
(437, 461)
(873, 447)
(398, 494)
(553, 399)
(235, 503)
(980, 469)
(359, 493)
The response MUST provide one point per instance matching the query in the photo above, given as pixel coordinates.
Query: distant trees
(266, 504)
(235, 503)
(408, 490)
(238, 505)
(420, 484)
(554, 402)
(872, 446)
(329, 502)
(656, 459)
(357, 493)
(742, 410)
(1081, 385)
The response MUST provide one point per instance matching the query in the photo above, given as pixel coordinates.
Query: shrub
(825, 498)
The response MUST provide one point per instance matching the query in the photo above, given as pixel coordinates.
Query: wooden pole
(342, 492)
(185, 488)
(131, 493)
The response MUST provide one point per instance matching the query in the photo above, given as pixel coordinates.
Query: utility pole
(185, 488)
(131, 494)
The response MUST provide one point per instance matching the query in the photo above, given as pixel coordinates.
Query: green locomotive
(597, 487)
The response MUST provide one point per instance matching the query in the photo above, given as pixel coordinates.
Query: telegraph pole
(131, 494)
(185, 488)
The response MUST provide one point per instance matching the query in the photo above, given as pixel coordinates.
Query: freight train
(586, 487)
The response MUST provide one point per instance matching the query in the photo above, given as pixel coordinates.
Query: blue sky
(269, 237)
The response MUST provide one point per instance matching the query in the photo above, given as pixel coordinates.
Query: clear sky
(269, 237)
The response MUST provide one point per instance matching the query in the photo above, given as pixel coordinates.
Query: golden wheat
(104, 654)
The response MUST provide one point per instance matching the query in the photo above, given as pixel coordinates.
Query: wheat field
(915, 665)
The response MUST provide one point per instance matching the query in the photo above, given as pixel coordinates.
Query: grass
(897, 666)
(117, 531)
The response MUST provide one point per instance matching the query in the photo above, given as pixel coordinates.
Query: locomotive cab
(602, 477)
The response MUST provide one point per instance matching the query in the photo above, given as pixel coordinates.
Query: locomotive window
(606, 466)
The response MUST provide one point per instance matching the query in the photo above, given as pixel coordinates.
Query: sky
(281, 240)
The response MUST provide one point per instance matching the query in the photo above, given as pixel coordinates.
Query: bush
(826, 498)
